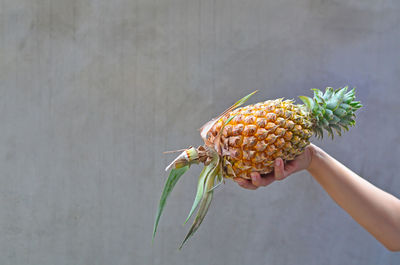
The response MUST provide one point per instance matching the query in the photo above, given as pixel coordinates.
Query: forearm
(377, 211)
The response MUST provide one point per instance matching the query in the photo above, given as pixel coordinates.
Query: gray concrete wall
(92, 93)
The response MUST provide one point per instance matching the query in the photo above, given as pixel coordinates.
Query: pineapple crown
(334, 109)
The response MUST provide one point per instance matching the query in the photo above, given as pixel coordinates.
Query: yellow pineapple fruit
(260, 133)
(247, 139)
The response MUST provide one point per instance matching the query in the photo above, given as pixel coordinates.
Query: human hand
(281, 170)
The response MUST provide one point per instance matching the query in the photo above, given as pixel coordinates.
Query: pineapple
(247, 139)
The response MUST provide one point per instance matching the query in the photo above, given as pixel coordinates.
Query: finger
(259, 181)
(279, 169)
(291, 168)
(255, 178)
(245, 184)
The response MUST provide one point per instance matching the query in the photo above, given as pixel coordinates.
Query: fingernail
(277, 163)
(253, 175)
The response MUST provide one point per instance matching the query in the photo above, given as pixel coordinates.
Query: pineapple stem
(334, 109)
(188, 157)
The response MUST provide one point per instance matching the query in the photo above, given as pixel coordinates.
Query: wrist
(312, 150)
(314, 153)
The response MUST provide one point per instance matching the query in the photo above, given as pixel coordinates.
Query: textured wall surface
(92, 93)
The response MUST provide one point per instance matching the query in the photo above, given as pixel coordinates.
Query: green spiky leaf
(328, 114)
(308, 102)
(244, 99)
(228, 120)
(172, 179)
(324, 123)
(317, 93)
(345, 106)
(330, 132)
(318, 132)
(220, 180)
(328, 92)
(200, 188)
(204, 203)
(335, 119)
(203, 209)
(340, 112)
(337, 128)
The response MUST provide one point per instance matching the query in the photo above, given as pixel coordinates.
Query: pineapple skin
(258, 134)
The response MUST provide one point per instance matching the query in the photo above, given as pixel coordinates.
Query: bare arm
(374, 209)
